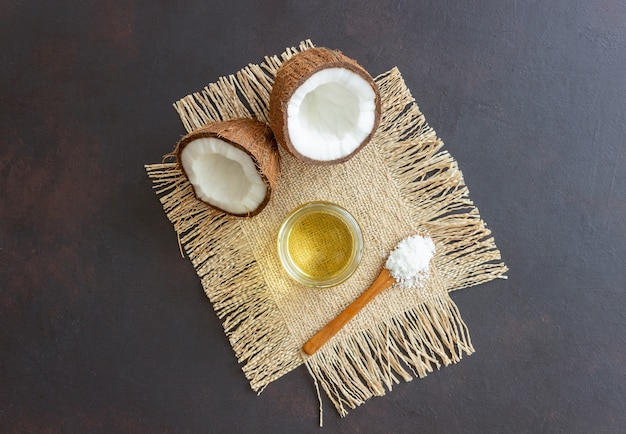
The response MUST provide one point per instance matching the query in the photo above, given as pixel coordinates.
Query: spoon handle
(383, 281)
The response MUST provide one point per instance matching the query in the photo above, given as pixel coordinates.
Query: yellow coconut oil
(320, 244)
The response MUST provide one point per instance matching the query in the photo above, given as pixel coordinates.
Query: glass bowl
(320, 244)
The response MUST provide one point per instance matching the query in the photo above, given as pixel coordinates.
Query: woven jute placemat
(400, 184)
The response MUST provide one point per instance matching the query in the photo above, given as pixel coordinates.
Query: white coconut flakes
(409, 262)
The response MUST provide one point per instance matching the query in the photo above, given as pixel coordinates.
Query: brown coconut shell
(292, 74)
(251, 136)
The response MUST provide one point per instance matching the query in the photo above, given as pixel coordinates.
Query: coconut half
(324, 106)
(233, 165)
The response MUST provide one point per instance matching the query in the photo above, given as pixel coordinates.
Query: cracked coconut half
(324, 106)
(233, 165)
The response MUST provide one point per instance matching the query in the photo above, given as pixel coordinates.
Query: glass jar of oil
(320, 244)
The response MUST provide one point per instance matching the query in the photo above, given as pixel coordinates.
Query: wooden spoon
(382, 282)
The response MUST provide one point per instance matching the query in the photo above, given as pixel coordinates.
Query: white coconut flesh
(331, 114)
(223, 175)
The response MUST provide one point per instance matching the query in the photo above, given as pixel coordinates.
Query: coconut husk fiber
(403, 182)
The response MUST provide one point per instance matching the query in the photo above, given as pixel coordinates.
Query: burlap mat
(401, 183)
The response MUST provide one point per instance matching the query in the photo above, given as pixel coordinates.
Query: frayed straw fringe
(365, 364)
(230, 277)
(215, 243)
(244, 94)
(432, 186)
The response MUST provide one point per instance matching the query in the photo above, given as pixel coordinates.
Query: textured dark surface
(104, 328)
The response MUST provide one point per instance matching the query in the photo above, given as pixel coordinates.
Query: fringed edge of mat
(433, 189)
(230, 278)
(244, 94)
(433, 334)
(228, 271)
(368, 363)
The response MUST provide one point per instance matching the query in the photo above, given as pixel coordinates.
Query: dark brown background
(104, 328)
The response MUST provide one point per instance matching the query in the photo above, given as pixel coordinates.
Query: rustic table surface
(105, 328)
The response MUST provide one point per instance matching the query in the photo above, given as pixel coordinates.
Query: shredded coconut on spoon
(409, 262)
